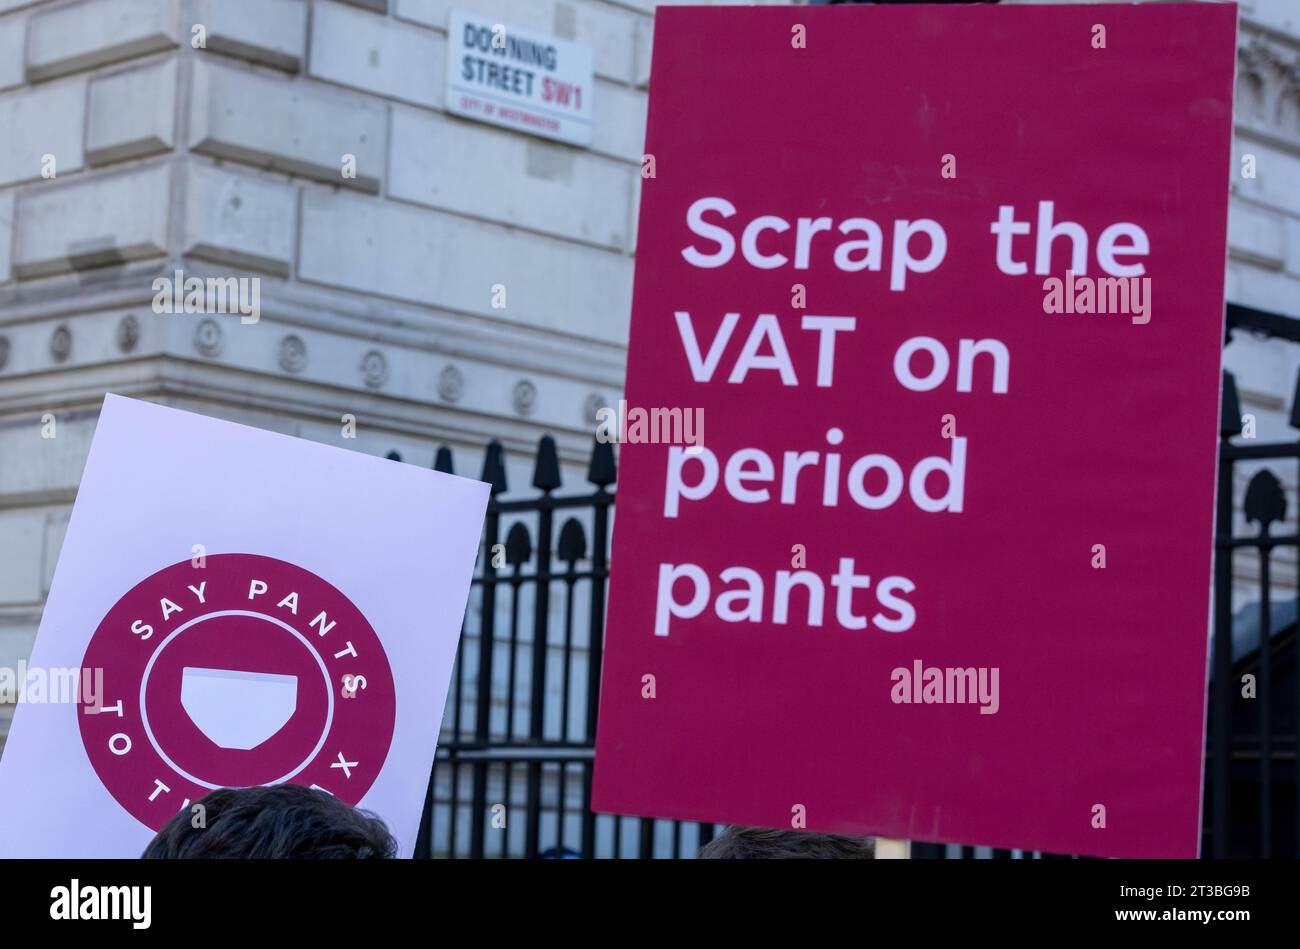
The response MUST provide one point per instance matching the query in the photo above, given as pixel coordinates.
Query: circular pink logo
(244, 671)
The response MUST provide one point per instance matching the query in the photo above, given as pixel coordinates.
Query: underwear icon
(238, 709)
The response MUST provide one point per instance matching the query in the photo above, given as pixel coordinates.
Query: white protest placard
(518, 79)
(234, 607)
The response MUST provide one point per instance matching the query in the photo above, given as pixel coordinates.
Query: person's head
(286, 821)
(765, 843)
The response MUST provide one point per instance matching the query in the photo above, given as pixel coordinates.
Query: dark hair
(286, 821)
(765, 843)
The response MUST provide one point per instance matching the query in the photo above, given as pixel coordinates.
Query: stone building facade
(130, 151)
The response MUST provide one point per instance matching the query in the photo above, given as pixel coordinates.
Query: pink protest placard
(925, 552)
(231, 608)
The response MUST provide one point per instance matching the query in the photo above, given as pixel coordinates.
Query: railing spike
(494, 467)
(519, 545)
(546, 470)
(442, 460)
(1295, 404)
(394, 456)
(1265, 500)
(573, 541)
(602, 470)
(1230, 422)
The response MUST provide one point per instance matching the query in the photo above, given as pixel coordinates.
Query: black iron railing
(513, 772)
(1252, 792)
